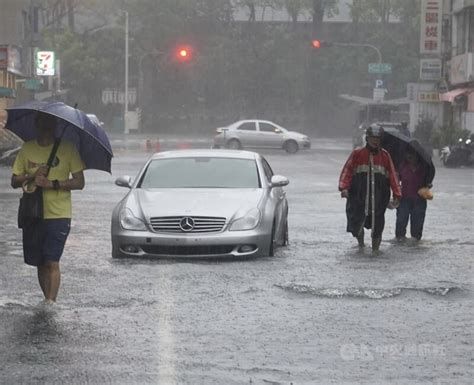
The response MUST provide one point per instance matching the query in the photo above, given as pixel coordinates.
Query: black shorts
(45, 241)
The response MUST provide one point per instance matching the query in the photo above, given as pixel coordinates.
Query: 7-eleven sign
(45, 63)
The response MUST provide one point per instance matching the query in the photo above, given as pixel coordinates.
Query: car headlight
(130, 222)
(247, 222)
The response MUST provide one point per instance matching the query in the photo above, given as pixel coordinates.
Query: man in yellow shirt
(65, 174)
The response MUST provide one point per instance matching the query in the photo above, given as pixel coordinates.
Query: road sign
(380, 68)
(430, 69)
(379, 83)
(45, 63)
(379, 94)
(33, 84)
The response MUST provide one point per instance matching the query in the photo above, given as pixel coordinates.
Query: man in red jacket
(365, 181)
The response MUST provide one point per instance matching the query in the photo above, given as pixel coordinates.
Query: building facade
(19, 21)
(459, 65)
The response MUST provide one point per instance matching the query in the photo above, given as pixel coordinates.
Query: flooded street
(320, 312)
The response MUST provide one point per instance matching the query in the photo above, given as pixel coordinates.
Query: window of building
(470, 35)
(24, 15)
(465, 31)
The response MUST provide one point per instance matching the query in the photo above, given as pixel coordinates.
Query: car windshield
(201, 172)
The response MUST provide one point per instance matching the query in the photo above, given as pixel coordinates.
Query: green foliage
(239, 69)
(88, 63)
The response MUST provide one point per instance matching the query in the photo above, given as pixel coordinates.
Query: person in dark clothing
(404, 129)
(412, 174)
(366, 180)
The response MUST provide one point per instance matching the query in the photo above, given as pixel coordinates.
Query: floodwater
(320, 312)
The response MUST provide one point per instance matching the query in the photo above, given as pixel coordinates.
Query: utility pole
(125, 114)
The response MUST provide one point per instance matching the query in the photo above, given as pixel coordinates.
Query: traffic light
(183, 53)
(316, 43)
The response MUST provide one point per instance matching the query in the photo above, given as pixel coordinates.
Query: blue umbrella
(73, 125)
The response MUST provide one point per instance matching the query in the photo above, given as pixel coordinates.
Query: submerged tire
(286, 237)
(234, 144)
(291, 147)
(271, 249)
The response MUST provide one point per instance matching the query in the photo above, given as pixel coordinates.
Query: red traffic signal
(316, 43)
(183, 53)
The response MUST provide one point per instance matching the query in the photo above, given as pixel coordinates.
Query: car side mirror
(124, 181)
(278, 131)
(279, 181)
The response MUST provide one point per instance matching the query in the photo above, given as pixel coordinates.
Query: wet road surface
(320, 312)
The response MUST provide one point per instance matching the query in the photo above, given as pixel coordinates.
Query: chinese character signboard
(45, 63)
(428, 97)
(431, 15)
(10, 59)
(114, 96)
(430, 69)
(462, 68)
(379, 94)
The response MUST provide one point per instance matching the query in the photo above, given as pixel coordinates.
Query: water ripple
(364, 292)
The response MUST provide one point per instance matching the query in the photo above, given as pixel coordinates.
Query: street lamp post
(125, 114)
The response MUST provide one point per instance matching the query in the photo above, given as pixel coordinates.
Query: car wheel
(116, 252)
(291, 147)
(271, 249)
(234, 144)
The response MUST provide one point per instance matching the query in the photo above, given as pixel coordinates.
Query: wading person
(366, 180)
(413, 177)
(404, 129)
(65, 173)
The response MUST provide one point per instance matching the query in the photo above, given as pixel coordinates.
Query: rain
(216, 249)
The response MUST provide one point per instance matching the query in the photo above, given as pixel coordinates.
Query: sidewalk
(121, 142)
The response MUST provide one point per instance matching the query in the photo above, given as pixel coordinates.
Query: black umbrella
(397, 144)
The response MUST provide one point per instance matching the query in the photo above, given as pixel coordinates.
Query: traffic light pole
(379, 54)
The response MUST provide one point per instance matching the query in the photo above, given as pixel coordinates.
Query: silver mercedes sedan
(201, 203)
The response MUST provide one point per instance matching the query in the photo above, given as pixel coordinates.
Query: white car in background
(94, 119)
(260, 134)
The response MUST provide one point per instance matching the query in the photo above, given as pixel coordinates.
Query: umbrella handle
(27, 190)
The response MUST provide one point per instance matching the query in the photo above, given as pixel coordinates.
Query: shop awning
(450, 96)
(363, 101)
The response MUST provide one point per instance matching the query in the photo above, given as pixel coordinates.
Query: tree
(294, 9)
(382, 11)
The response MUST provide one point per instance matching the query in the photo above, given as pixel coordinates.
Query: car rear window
(201, 172)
